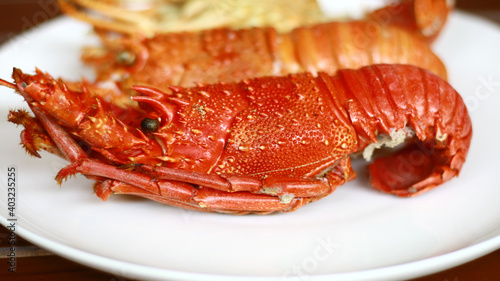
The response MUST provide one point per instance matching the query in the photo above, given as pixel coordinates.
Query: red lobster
(258, 146)
(395, 34)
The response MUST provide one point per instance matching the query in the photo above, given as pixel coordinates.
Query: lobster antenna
(8, 84)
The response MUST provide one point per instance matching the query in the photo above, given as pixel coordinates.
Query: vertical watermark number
(11, 217)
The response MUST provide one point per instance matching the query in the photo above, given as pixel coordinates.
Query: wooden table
(39, 264)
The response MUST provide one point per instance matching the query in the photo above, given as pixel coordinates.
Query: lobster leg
(277, 186)
(34, 137)
(248, 193)
(139, 184)
(65, 144)
(207, 200)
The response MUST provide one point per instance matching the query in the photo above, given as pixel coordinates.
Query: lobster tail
(423, 17)
(329, 47)
(399, 101)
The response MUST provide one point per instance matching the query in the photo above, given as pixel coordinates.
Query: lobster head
(182, 128)
(191, 124)
(131, 59)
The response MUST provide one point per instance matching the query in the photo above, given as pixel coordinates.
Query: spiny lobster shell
(255, 155)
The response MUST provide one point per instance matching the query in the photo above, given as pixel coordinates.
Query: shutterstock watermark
(364, 34)
(486, 87)
(410, 163)
(323, 250)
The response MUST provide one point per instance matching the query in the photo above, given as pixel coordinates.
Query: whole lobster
(394, 34)
(258, 146)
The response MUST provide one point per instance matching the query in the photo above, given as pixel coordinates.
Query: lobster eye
(150, 125)
(125, 58)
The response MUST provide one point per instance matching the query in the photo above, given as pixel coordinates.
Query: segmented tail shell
(383, 99)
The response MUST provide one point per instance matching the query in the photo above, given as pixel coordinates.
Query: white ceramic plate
(354, 234)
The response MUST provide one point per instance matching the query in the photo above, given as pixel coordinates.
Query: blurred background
(14, 13)
(41, 265)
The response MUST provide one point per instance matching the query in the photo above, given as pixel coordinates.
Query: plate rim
(407, 270)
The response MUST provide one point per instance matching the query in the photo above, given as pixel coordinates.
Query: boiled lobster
(394, 34)
(258, 146)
